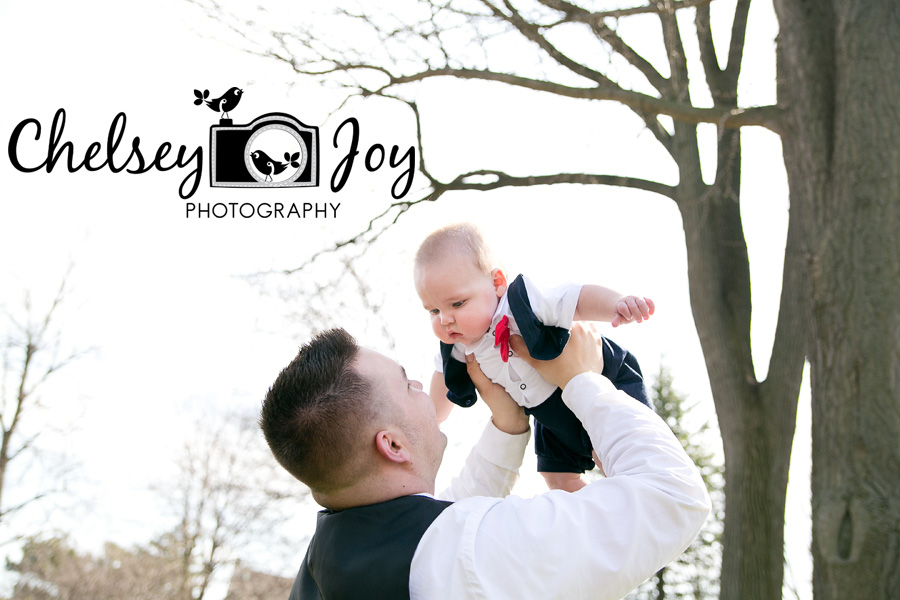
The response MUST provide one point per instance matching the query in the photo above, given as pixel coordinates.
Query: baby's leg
(570, 482)
(559, 464)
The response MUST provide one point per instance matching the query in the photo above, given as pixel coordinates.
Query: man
(348, 423)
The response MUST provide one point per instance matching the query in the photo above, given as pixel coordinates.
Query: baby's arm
(438, 393)
(597, 303)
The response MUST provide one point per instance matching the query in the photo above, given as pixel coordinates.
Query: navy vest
(365, 552)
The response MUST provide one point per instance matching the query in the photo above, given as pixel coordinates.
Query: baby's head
(459, 283)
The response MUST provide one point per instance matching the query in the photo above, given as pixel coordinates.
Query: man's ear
(499, 278)
(392, 446)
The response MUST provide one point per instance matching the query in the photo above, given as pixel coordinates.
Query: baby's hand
(632, 308)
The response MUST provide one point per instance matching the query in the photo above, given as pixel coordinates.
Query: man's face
(459, 297)
(413, 408)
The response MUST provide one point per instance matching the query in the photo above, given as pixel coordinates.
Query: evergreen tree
(694, 574)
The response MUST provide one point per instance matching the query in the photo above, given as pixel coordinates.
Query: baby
(474, 309)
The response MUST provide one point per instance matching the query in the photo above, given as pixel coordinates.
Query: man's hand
(507, 416)
(583, 353)
(633, 308)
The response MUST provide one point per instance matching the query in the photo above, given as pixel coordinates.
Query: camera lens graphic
(275, 154)
(274, 150)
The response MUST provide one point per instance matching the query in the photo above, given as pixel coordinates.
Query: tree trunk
(755, 453)
(756, 419)
(839, 81)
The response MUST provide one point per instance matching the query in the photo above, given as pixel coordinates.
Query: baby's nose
(446, 318)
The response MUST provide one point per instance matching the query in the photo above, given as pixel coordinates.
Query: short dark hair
(313, 416)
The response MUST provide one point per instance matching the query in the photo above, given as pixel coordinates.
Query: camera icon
(274, 150)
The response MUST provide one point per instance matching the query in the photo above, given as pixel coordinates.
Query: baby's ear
(499, 278)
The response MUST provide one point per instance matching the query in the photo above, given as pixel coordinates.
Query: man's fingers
(505, 413)
(583, 352)
(520, 348)
(475, 373)
(586, 345)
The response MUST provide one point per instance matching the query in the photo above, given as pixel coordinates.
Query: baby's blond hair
(464, 237)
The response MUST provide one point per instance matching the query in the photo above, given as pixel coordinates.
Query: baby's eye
(434, 311)
(458, 304)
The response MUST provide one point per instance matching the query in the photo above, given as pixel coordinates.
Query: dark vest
(365, 552)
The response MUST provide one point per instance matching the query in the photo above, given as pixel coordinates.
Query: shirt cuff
(503, 449)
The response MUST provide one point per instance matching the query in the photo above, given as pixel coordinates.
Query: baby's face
(459, 298)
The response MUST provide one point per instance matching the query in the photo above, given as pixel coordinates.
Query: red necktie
(501, 338)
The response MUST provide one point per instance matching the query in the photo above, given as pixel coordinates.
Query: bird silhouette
(268, 166)
(225, 103)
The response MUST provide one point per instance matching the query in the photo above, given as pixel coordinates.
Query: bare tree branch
(22, 504)
(30, 347)
(722, 82)
(532, 32)
(499, 179)
(229, 495)
(768, 117)
(323, 60)
(381, 222)
(603, 31)
(651, 8)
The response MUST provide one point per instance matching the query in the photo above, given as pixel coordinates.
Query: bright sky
(158, 296)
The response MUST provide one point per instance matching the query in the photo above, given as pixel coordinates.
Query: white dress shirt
(598, 543)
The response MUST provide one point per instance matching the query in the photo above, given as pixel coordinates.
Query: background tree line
(229, 500)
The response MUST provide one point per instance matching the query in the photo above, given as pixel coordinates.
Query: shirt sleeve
(555, 305)
(458, 354)
(492, 467)
(598, 543)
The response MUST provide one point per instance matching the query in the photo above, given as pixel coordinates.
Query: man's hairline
(379, 393)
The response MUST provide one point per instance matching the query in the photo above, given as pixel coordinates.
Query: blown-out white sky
(158, 294)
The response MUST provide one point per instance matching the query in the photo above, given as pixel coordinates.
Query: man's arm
(492, 467)
(597, 543)
(604, 540)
